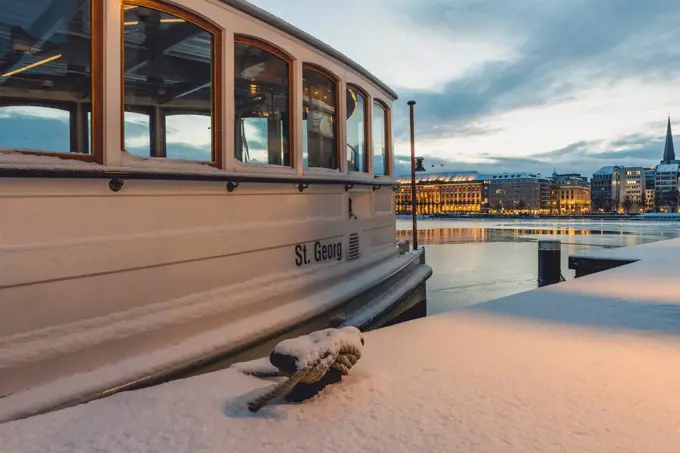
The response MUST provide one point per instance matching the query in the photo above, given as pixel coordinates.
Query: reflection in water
(476, 261)
(432, 236)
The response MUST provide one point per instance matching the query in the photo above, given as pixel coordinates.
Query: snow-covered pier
(587, 365)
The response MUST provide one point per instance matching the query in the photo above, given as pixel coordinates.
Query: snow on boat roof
(588, 365)
(305, 37)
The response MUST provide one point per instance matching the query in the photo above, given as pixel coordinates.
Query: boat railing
(118, 177)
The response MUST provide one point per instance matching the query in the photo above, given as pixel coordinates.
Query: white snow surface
(156, 164)
(9, 158)
(588, 365)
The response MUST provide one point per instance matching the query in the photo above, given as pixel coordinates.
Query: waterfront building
(648, 188)
(666, 188)
(604, 190)
(628, 190)
(650, 200)
(571, 195)
(666, 177)
(519, 193)
(452, 193)
(508, 193)
(631, 191)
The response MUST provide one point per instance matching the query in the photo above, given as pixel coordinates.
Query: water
(479, 260)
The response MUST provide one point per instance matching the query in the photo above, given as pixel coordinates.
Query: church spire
(668, 150)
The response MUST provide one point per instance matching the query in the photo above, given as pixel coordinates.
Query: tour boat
(183, 183)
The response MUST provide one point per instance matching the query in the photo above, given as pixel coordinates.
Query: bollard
(549, 263)
(403, 246)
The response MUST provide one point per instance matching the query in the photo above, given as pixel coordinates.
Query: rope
(342, 359)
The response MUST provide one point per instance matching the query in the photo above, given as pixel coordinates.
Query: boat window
(46, 75)
(380, 139)
(356, 130)
(319, 132)
(262, 105)
(169, 84)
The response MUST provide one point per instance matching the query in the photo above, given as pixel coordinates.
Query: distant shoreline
(646, 217)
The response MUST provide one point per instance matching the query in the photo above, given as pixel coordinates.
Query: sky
(521, 85)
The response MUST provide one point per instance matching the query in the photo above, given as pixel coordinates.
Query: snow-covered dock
(588, 365)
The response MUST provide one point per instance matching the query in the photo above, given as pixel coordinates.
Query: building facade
(634, 190)
(666, 188)
(649, 184)
(519, 193)
(631, 191)
(650, 200)
(604, 189)
(666, 177)
(506, 193)
(571, 195)
(446, 193)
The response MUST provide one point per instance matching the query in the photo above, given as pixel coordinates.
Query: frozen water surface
(479, 260)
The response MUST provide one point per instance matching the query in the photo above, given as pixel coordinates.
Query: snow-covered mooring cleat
(310, 362)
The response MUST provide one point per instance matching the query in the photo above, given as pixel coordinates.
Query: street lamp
(416, 165)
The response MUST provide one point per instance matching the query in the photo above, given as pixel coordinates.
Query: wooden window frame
(388, 137)
(292, 119)
(336, 80)
(217, 90)
(96, 93)
(367, 140)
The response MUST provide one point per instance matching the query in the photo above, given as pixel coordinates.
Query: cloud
(567, 45)
(579, 157)
(189, 130)
(42, 133)
(34, 112)
(623, 115)
(187, 136)
(382, 36)
(134, 118)
(255, 131)
(590, 72)
(181, 151)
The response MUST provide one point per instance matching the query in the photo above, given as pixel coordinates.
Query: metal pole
(413, 181)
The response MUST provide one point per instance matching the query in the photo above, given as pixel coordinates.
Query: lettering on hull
(314, 252)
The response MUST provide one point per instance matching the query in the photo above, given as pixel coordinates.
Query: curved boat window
(380, 139)
(262, 105)
(356, 130)
(319, 131)
(46, 76)
(169, 79)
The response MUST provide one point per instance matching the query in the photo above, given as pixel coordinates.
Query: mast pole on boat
(413, 181)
